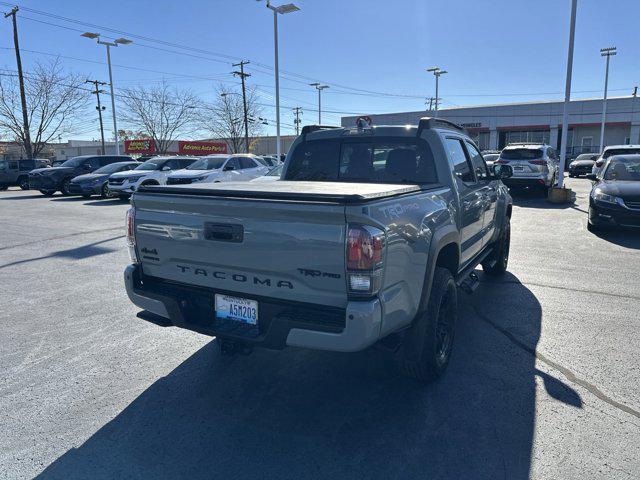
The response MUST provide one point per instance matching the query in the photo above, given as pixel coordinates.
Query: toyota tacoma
(364, 240)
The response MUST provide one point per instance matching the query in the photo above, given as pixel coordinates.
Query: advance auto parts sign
(139, 146)
(201, 148)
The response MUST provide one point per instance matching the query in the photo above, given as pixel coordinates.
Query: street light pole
(282, 9)
(567, 94)
(319, 87)
(113, 98)
(436, 73)
(605, 52)
(108, 45)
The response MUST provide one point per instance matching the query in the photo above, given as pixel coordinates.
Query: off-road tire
(425, 350)
(23, 183)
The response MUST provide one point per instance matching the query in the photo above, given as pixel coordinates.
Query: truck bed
(332, 192)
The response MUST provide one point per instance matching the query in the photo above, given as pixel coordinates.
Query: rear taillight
(538, 162)
(131, 234)
(365, 246)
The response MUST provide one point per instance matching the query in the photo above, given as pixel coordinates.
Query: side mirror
(500, 171)
(166, 168)
(228, 168)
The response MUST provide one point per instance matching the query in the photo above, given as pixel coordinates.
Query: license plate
(239, 309)
(518, 168)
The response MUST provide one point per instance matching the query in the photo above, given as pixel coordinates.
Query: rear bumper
(281, 323)
(533, 181)
(580, 170)
(614, 216)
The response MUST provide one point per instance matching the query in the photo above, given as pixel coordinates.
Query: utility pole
(432, 101)
(605, 52)
(23, 99)
(242, 76)
(100, 108)
(298, 112)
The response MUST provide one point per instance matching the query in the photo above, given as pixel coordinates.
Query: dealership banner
(139, 146)
(201, 148)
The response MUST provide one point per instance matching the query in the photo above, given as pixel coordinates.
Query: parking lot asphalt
(544, 380)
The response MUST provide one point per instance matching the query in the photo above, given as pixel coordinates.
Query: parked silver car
(534, 165)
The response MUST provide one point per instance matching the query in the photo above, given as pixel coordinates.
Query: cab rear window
(521, 153)
(395, 161)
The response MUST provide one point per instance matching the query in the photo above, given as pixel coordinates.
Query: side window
(95, 162)
(13, 165)
(27, 165)
(173, 164)
(479, 167)
(246, 162)
(461, 166)
(185, 162)
(232, 162)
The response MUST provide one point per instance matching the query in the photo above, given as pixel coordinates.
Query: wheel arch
(444, 252)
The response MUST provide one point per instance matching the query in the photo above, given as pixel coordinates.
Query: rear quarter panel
(410, 223)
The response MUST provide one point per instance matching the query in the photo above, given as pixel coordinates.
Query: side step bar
(467, 279)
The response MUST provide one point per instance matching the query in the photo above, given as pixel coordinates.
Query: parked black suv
(50, 180)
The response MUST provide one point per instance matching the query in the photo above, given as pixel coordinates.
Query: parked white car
(152, 172)
(220, 168)
(610, 151)
(272, 175)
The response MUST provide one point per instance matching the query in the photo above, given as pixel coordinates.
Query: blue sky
(495, 51)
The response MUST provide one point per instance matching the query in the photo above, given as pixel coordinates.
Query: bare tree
(54, 98)
(161, 112)
(225, 118)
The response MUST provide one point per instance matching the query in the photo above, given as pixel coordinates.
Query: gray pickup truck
(363, 241)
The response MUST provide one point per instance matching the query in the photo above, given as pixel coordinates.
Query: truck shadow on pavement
(304, 414)
(77, 253)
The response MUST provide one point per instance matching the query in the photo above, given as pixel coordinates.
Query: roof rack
(525, 143)
(430, 122)
(314, 128)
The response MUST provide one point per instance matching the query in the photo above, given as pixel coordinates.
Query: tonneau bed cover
(335, 192)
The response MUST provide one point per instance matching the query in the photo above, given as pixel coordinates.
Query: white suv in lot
(152, 172)
(220, 168)
(533, 164)
(613, 150)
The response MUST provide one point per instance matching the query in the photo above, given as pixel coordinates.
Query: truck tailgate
(278, 249)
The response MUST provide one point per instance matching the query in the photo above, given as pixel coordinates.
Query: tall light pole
(605, 52)
(567, 94)
(115, 43)
(282, 9)
(319, 87)
(436, 73)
